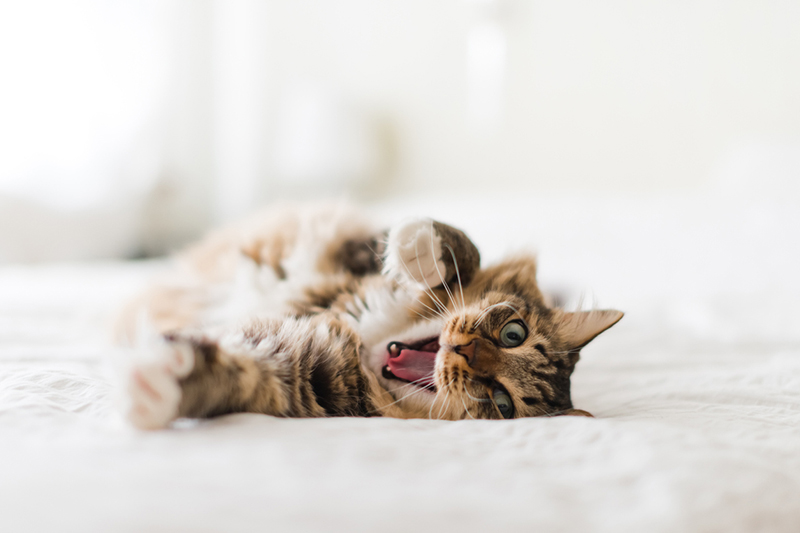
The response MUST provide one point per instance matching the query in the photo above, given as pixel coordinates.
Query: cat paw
(153, 389)
(414, 252)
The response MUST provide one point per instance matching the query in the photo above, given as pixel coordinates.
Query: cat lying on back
(310, 312)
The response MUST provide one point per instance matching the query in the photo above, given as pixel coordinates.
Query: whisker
(432, 310)
(503, 304)
(482, 400)
(436, 265)
(404, 397)
(430, 289)
(436, 399)
(418, 313)
(458, 275)
(446, 405)
(555, 413)
(428, 380)
(494, 306)
(464, 403)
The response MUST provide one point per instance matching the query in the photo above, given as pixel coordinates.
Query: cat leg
(430, 254)
(305, 367)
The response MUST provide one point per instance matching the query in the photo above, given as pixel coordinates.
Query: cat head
(501, 351)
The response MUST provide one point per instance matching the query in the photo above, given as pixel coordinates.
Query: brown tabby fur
(311, 359)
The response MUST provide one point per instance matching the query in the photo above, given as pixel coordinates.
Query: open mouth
(412, 363)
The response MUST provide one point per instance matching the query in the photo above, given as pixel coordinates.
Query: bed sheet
(696, 395)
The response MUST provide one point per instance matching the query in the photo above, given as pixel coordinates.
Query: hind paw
(153, 388)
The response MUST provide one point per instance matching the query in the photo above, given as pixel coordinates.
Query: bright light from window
(81, 82)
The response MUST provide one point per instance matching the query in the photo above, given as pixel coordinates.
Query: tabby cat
(311, 312)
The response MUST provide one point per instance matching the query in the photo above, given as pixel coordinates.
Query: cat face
(500, 353)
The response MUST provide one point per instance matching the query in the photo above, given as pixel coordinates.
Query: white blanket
(696, 394)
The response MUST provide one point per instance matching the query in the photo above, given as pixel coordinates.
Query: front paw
(414, 253)
(153, 388)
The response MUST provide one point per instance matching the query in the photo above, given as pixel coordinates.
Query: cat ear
(579, 328)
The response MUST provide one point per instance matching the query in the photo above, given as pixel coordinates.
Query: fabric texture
(696, 395)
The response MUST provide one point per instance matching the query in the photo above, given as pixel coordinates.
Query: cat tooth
(387, 373)
(394, 349)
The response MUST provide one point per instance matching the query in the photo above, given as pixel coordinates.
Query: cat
(309, 311)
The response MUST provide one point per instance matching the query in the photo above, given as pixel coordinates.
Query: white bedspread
(696, 394)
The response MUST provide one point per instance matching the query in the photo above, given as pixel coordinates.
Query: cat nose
(467, 351)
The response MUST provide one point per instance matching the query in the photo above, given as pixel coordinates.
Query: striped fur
(297, 367)
(324, 297)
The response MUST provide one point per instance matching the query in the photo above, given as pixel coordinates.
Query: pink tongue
(413, 365)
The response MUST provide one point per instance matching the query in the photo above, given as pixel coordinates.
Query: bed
(696, 395)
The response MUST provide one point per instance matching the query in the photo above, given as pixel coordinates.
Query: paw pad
(152, 387)
(415, 253)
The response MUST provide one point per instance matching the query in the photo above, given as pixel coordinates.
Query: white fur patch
(384, 317)
(414, 254)
(256, 292)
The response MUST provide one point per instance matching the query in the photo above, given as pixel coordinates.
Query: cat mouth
(412, 363)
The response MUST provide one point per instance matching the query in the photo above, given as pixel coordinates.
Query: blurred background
(128, 128)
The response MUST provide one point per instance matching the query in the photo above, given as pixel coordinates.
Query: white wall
(620, 96)
(244, 101)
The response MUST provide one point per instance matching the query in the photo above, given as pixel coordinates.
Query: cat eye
(513, 334)
(503, 402)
